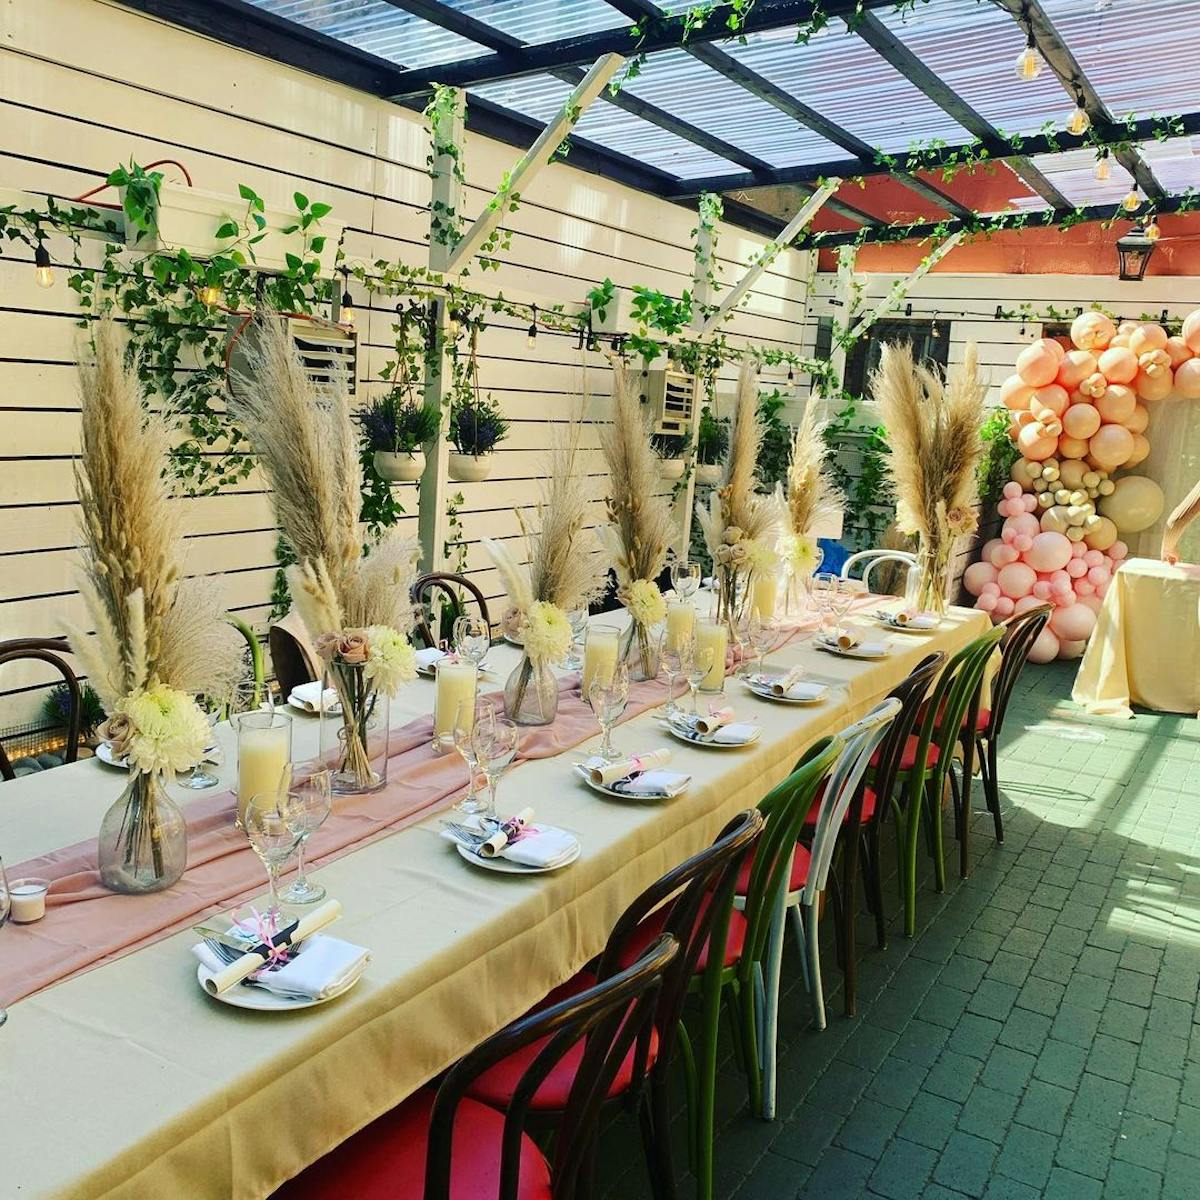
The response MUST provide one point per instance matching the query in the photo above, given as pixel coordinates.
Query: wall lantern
(1134, 250)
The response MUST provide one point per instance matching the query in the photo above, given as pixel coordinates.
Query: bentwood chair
(438, 597)
(921, 785)
(694, 903)
(293, 659)
(442, 1145)
(868, 560)
(255, 653)
(49, 651)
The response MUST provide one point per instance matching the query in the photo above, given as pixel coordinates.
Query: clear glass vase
(143, 839)
(531, 693)
(640, 652)
(730, 599)
(354, 742)
(928, 581)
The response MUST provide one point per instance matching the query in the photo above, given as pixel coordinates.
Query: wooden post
(901, 288)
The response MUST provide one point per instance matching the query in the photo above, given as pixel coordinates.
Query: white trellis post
(901, 288)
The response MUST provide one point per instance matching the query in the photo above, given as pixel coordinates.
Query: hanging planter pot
(708, 474)
(469, 468)
(400, 467)
(671, 469)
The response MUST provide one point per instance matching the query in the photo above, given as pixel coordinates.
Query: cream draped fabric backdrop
(1174, 464)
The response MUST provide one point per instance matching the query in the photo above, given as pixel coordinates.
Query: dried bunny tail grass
(744, 445)
(314, 596)
(130, 528)
(201, 651)
(101, 656)
(513, 574)
(813, 499)
(306, 443)
(564, 568)
(640, 516)
(965, 396)
(378, 591)
(712, 524)
(902, 401)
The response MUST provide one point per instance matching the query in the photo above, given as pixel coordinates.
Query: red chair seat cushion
(386, 1160)
(982, 720)
(868, 808)
(497, 1085)
(801, 860)
(908, 758)
(653, 925)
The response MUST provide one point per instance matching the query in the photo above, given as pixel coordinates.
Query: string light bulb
(346, 313)
(1152, 230)
(1132, 201)
(1078, 122)
(210, 295)
(43, 272)
(1029, 62)
(1103, 165)
(531, 339)
(454, 325)
(791, 375)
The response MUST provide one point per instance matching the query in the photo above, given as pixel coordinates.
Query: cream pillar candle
(454, 701)
(28, 898)
(712, 635)
(681, 622)
(764, 593)
(600, 652)
(264, 751)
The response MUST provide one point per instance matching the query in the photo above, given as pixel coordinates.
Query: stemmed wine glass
(472, 639)
(674, 657)
(685, 578)
(464, 743)
(608, 698)
(307, 807)
(213, 708)
(271, 836)
(760, 632)
(495, 743)
(700, 661)
(824, 586)
(577, 618)
(842, 599)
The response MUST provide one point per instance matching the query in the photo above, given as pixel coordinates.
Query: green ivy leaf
(301, 200)
(320, 210)
(227, 230)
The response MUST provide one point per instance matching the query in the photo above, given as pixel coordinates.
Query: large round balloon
(1035, 443)
(1045, 648)
(981, 573)
(1150, 336)
(1102, 536)
(1075, 367)
(1154, 387)
(1050, 552)
(1178, 351)
(1187, 376)
(1111, 446)
(1140, 419)
(1038, 364)
(1015, 393)
(1141, 451)
(1073, 623)
(1052, 397)
(1117, 404)
(1191, 331)
(1016, 580)
(1135, 504)
(1081, 421)
(1092, 331)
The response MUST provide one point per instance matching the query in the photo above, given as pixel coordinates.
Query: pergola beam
(769, 253)
(900, 289)
(665, 34)
(536, 157)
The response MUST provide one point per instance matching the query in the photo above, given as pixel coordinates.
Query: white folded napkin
(849, 642)
(736, 734)
(427, 657)
(800, 690)
(712, 721)
(653, 783)
(312, 698)
(534, 845)
(604, 773)
(779, 685)
(318, 966)
(906, 620)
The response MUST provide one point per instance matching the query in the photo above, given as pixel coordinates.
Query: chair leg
(874, 878)
(770, 1021)
(798, 930)
(707, 1072)
(849, 921)
(656, 1139)
(814, 963)
(691, 1080)
(964, 806)
(992, 784)
(933, 791)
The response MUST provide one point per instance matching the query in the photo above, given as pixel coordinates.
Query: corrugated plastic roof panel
(1073, 173)
(536, 21)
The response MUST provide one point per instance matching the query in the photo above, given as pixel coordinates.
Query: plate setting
(737, 734)
(666, 785)
(918, 623)
(765, 688)
(514, 846)
(868, 651)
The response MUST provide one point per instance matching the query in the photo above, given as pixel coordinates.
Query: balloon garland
(1079, 416)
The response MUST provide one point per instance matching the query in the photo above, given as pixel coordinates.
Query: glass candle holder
(600, 653)
(264, 752)
(454, 699)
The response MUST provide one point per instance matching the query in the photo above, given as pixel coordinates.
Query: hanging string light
(43, 272)
(454, 326)
(1029, 62)
(1151, 230)
(1103, 167)
(210, 295)
(1078, 122)
(1132, 201)
(346, 312)
(531, 339)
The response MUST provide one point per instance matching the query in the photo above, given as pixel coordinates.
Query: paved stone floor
(1038, 1037)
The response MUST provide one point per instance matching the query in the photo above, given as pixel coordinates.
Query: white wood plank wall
(86, 84)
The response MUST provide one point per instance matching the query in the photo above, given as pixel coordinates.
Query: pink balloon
(1101, 592)
(1012, 490)
(987, 602)
(988, 547)
(1016, 580)
(1064, 599)
(1093, 602)
(1041, 590)
(1093, 558)
(1004, 606)
(1025, 523)
(1083, 588)
(1118, 364)
(978, 574)
(1077, 568)
(1029, 502)
(1045, 648)
(1074, 623)
(1025, 604)
(1078, 549)
(1003, 555)
(991, 588)
(1068, 650)
(1097, 576)
(1022, 543)
(1049, 551)
(1118, 550)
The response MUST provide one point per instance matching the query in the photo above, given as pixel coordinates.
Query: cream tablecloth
(1146, 647)
(129, 1082)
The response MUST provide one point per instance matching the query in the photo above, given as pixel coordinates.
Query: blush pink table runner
(86, 925)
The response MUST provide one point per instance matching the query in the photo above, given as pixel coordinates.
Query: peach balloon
(1004, 606)
(1003, 555)
(1052, 397)
(1045, 648)
(1077, 568)
(1191, 331)
(1025, 604)
(1015, 393)
(1092, 331)
(1118, 551)
(1080, 421)
(1127, 327)
(1038, 364)
(1111, 446)
(1068, 650)
(1102, 537)
(1154, 362)
(1116, 405)
(1024, 418)
(1074, 623)
(1154, 387)
(986, 603)
(1122, 339)
(1049, 552)
(1150, 336)
(1075, 367)
(1187, 378)
(1141, 450)
(1118, 364)
(1094, 385)
(1074, 447)
(1177, 350)
(1016, 580)
(1139, 420)
(1024, 523)
(977, 575)
(1035, 443)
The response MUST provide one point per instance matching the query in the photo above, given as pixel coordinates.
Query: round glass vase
(143, 839)
(354, 742)
(639, 652)
(928, 581)
(531, 693)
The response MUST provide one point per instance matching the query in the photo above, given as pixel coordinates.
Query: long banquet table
(128, 1081)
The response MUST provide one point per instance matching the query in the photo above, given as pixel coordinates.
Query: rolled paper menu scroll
(505, 834)
(610, 773)
(244, 967)
(681, 622)
(711, 723)
(847, 640)
(714, 637)
(782, 684)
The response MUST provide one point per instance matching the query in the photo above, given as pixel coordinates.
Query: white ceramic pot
(708, 473)
(671, 468)
(400, 467)
(469, 468)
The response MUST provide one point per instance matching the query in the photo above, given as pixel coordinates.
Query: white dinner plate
(888, 623)
(104, 753)
(605, 790)
(248, 996)
(513, 640)
(334, 710)
(692, 738)
(854, 652)
(505, 866)
(765, 693)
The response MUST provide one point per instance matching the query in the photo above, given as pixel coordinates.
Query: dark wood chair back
(911, 692)
(608, 1019)
(1020, 632)
(443, 584)
(47, 650)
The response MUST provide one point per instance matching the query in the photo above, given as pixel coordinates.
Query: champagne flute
(198, 778)
(308, 805)
(464, 743)
(271, 836)
(608, 698)
(685, 578)
(472, 639)
(699, 664)
(496, 743)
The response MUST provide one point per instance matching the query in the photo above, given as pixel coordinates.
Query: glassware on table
(309, 800)
(824, 587)
(842, 600)
(264, 754)
(472, 639)
(675, 659)
(760, 633)
(5, 898)
(198, 778)
(714, 636)
(685, 578)
(495, 743)
(456, 683)
(700, 663)
(601, 650)
(464, 743)
(577, 618)
(248, 696)
(608, 698)
(272, 837)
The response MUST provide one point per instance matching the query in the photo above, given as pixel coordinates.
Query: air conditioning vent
(671, 396)
(324, 349)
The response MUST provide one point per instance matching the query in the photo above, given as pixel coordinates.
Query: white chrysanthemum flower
(645, 602)
(800, 552)
(546, 632)
(169, 732)
(391, 659)
(760, 558)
